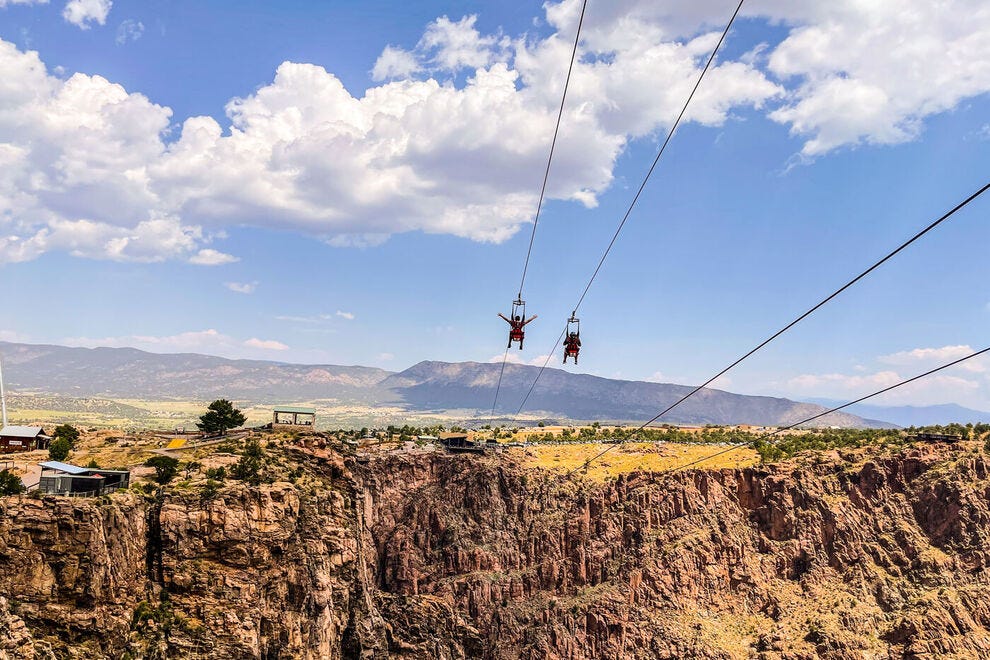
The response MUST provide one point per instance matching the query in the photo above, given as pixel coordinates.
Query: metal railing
(104, 490)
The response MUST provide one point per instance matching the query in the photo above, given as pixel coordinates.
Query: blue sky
(383, 219)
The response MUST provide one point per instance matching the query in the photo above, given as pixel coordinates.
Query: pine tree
(220, 416)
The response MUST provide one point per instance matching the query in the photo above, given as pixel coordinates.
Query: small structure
(294, 416)
(22, 438)
(458, 443)
(937, 437)
(65, 479)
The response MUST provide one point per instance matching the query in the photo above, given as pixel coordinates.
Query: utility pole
(3, 397)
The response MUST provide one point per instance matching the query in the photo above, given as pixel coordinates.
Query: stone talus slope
(433, 556)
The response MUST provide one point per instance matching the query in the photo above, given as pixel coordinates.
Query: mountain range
(127, 373)
(944, 413)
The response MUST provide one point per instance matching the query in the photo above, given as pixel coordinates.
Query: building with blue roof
(59, 478)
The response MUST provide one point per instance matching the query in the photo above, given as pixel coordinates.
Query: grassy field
(630, 457)
(132, 414)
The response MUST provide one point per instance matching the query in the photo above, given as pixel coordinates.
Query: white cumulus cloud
(394, 63)
(83, 13)
(873, 71)
(345, 315)
(74, 157)
(934, 389)
(931, 357)
(457, 44)
(455, 136)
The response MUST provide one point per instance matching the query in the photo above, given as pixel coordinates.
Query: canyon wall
(862, 554)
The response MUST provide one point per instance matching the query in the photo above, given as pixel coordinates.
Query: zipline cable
(827, 412)
(540, 373)
(553, 144)
(499, 386)
(878, 392)
(543, 188)
(808, 313)
(635, 198)
(656, 160)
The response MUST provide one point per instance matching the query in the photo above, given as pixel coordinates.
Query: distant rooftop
(64, 467)
(295, 409)
(68, 468)
(22, 431)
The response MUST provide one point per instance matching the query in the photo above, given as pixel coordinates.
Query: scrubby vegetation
(166, 468)
(770, 446)
(786, 446)
(68, 432)
(59, 449)
(216, 474)
(250, 466)
(10, 483)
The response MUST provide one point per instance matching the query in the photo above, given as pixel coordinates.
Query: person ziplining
(572, 346)
(517, 318)
(572, 339)
(516, 325)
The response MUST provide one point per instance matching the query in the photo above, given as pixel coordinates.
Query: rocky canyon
(865, 553)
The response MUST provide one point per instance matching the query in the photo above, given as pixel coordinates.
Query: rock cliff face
(71, 573)
(860, 555)
(839, 559)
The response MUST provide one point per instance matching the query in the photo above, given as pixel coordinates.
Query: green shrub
(59, 449)
(210, 489)
(248, 467)
(166, 468)
(10, 483)
(69, 432)
(217, 474)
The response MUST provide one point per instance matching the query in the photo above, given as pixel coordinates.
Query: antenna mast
(3, 398)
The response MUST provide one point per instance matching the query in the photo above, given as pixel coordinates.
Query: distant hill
(914, 415)
(127, 373)
(436, 385)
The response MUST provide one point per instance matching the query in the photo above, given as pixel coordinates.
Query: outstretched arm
(530, 319)
(505, 319)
